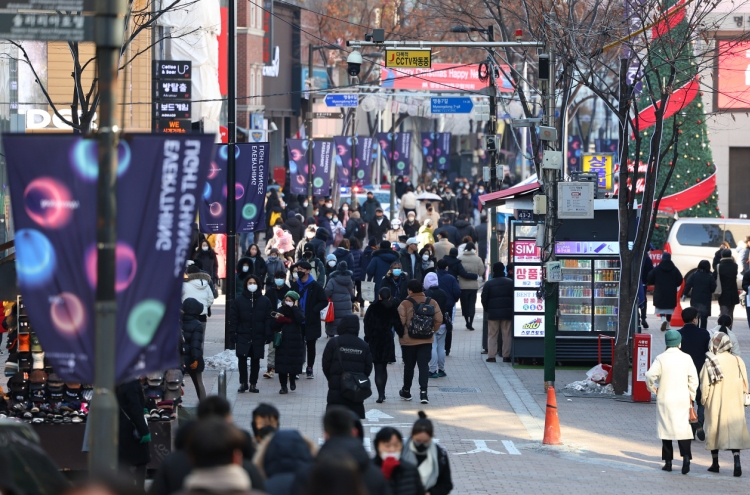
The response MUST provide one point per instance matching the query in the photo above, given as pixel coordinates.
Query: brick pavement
(606, 441)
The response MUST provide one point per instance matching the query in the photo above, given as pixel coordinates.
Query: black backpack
(420, 326)
(355, 387)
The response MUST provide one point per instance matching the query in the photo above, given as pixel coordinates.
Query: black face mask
(421, 447)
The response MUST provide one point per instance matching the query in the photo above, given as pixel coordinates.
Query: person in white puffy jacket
(196, 285)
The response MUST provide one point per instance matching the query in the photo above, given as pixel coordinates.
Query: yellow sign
(418, 59)
(602, 164)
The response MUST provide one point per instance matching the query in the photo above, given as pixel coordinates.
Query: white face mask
(393, 455)
(331, 264)
(245, 268)
(252, 287)
(345, 207)
(289, 303)
(295, 275)
(426, 257)
(205, 248)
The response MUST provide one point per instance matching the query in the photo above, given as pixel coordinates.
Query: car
(691, 240)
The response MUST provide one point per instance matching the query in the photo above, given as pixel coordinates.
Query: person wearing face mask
(427, 258)
(410, 260)
(424, 236)
(325, 223)
(380, 320)
(340, 290)
(209, 262)
(430, 214)
(430, 458)
(312, 300)
(402, 476)
(196, 285)
(338, 230)
(380, 264)
(290, 355)
(318, 270)
(330, 265)
(308, 236)
(395, 231)
(411, 226)
(355, 227)
(257, 263)
(274, 264)
(369, 208)
(379, 225)
(250, 330)
(275, 293)
(463, 202)
(395, 280)
(344, 212)
(408, 202)
(243, 270)
(449, 205)
(294, 226)
(281, 241)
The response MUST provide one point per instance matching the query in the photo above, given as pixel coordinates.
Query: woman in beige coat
(724, 383)
(473, 264)
(675, 392)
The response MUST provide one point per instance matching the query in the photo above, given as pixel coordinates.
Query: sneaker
(310, 373)
(423, 397)
(404, 394)
(442, 373)
(434, 375)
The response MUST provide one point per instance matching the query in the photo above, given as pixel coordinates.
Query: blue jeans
(246, 240)
(437, 362)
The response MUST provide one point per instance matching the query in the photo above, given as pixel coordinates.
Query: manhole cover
(459, 390)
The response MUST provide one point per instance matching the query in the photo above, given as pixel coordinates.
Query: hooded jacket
(380, 265)
(192, 335)
(257, 267)
(665, 278)
(358, 268)
(295, 227)
(380, 318)
(285, 455)
(325, 225)
(456, 268)
(464, 228)
(355, 228)
(449, 285)
(280, 240)
(274, 265)
(250, 323)
(700, 287)
(355, 357)
(319, 242)
(342, 254)
(424, 237)
(196, 285)
(239, 277)
(340, 290)
(290, 355)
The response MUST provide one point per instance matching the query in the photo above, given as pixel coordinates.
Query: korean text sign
(601, 164)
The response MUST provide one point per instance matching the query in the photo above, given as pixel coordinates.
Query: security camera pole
(354, 64)
(309, 130)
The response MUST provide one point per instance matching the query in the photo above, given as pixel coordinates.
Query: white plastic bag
(597, 374)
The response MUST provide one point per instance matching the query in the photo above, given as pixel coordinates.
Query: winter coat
(393, 235)
(378, 231)
(276, 294)
(208, 261)
(319, 243)
(497, 299)
(457, 269)
(464, 228)
(408, 201)
(195, 285)
(358, 267)
(482, 240)
(274, 265)
(221, 255)
(258, 268)
(325, 225)
(442, 248)
(368, 210)
(396, 285)
(449, 285)
(131, 402)
(192, 335)
(677, 383)
(424, 237)
(342, 254)
(294, 226)
(404, 478)
(414, 273)
(286, 454)
(280, 240)
(700, 287)
(444, 484)
(666, 279)
(290, 355)
(380, 265)
(355, 229)
(380, 318)
(440, 297)
(410, 229)
(727, 276)
(725, 424)
(239, 277)
(448, 204)
(250, 323)
(473, 264)
(735, 350)
(695, 343)
(450, 232)
(463, 202)
(355, 357)
(746, 281)
(340, 290)
(315, 301)
(367, 254)
(406, 313)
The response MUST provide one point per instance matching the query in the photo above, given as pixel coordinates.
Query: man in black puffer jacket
(294, 226)
(192, 344)
(319, 243)
(497, 302)
(464, 228)
(351, 352)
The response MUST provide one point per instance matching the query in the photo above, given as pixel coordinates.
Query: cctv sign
(415, 59)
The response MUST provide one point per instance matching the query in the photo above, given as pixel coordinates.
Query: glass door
(575, 296)
(606, 294)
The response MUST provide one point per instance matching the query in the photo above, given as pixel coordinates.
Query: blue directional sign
(347, 100)
(451, 105)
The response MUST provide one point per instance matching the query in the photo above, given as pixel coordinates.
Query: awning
(497, 198)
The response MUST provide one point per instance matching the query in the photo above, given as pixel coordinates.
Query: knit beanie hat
(672, 338)
(292, 295)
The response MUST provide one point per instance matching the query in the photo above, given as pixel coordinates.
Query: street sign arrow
(376, 415)
(346, 100)
(451, 105)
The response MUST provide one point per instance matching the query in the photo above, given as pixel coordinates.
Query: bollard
(223, 384)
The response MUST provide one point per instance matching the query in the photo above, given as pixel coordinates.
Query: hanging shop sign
(416, 59)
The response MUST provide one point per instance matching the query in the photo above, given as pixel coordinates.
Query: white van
(691, 240)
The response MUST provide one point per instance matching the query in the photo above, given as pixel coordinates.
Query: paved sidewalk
(489, 416)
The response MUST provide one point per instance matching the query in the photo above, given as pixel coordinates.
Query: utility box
(641, 364)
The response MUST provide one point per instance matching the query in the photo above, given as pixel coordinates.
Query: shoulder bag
(355, 387)
(717, 291)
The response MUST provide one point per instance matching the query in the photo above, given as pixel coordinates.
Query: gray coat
(340, 290)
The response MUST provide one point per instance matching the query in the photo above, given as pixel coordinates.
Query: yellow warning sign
(418, 59)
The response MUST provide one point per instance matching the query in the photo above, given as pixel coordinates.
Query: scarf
(719, 343)
(231, 478)
(389, 464)
(303, 291)
(429, 469)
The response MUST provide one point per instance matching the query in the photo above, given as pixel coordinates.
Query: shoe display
(404, 394)
(423, 398)
(442, 373)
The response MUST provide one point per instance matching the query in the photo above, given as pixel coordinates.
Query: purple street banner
(343, 159)
(322, 159)
(575, 145)
(399, 156)
(436, 149)
(53, 182)
(251, 174)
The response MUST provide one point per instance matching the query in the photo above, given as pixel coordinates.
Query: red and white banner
(440, 77)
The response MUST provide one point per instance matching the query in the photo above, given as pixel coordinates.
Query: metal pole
(108, 34)
(354, 81)
(231, 171)
(309, 131)
(524, 135)
(550, 187)
(444, 44)
(222, 384)
(492, 131)
(390, 168)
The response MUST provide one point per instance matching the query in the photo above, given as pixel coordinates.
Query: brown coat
(472, 264)
(725, 423)
(442, 248)
(406, 312)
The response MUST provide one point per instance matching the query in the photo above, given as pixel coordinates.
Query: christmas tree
(691, 191)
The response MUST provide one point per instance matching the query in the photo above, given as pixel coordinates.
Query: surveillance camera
(354, 62)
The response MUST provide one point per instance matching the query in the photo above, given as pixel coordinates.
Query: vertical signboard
(170, 96)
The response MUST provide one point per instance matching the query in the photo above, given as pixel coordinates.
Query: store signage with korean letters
(417, 59)
(527, 301)
(528, 326)
(526, 251)
(527, 276)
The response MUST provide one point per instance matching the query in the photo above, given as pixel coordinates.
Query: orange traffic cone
(677, 320)
(551, 421)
